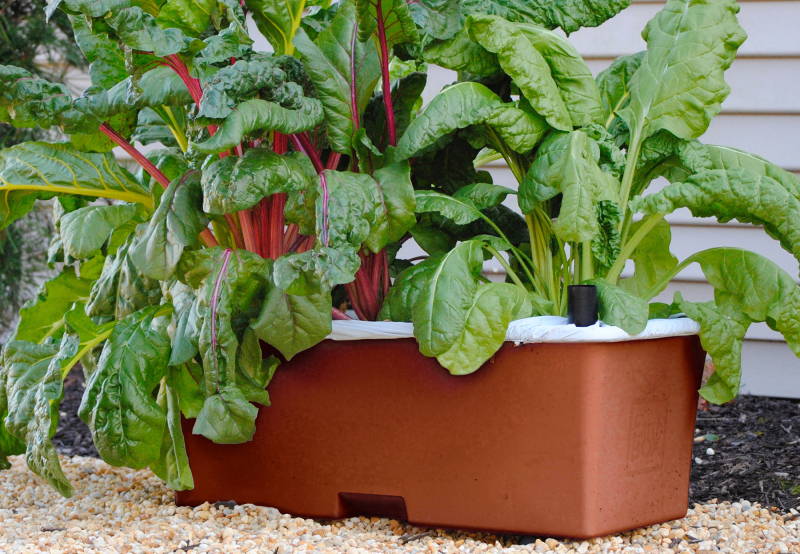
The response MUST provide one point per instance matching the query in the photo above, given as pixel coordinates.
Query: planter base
(575, 440)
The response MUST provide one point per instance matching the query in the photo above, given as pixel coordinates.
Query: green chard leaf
(614, 84)
(568, 163)
(344, 71)
(747, 288)
(118, 405)
(456, 107)
(620, 308)
(238, 183)
(86, 230)
(278, 20)
(316, 270)
(570, 15)
(526, 66)
(293, 323)
(34, 377)
(461, 53)
(679, 85)
(460, 210)
(573, 77)
(43, 317)
(436, 19)
(396, 206)
(440, 313)
(34, 170)
(407, 288)
(232, 285)
(733, 194)
(172, 464)
(262, 115)
(173, 227)
(653, 262)
(391, 16)
(494, 306)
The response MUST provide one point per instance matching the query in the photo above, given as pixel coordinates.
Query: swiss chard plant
(584, 151)
(268, 199)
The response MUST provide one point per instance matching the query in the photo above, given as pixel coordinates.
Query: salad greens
(277, 188)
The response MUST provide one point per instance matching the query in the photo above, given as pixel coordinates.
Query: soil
(753, 441)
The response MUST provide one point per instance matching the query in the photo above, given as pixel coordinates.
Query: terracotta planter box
(576, 440)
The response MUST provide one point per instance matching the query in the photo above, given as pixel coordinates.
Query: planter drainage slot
(374, 505)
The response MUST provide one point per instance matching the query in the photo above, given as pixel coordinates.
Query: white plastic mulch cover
(528, 330)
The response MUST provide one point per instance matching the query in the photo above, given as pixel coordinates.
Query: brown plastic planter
(576, 440)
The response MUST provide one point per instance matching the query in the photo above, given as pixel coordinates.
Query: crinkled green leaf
(456, 107)
(344, 71)
(570, 15)
(269, 77)
(355, 208)
(461, 53)
(190, 16)
(526, 66)
(34, 170)
(568, 163)
(186, 381)
(607, 244)
(261, 115)
(733, 194)
(518, 126)
(679, 85)
(294, 323)
(227, 417)
(441, 311)
(436, 19)
(34, 387)
(315, 270)
(460, 210)
(30, 101)
(571, 74)
(396, 208)
(140, 31)
(173, 462)
(747, 288)
(173, 227)
(722, 333)
(118, 405)
(483, 195)
(237, 183)
(493, 307)
(157, 87)
(253, 371)
(121, 289)
(106, 60)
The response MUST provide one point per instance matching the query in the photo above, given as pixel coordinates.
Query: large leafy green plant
(584, 152)
(273, 193)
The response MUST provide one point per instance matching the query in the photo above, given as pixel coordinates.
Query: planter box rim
(530, 330)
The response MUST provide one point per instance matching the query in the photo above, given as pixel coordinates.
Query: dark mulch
(73, 437)
(756, 443)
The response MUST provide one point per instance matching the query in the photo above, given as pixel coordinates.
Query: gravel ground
(122, 510)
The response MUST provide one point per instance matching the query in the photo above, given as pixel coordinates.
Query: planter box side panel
(373, 426)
